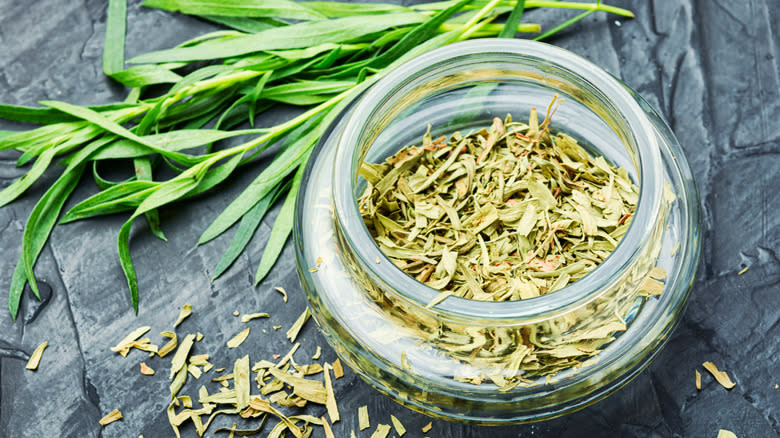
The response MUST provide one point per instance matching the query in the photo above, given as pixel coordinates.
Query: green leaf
(165, 193)
(282, 226)
(246, 229)
(562, 26)
(417, 36)
(143, 172)
(114, 45)
(295, 36)
(333, 9)
(178, 140)
(115, 128)
(121, 197)
(246, 24)
(19, 186)
(238, 8)
(143, 75)
(25, 140)
(270, 177)
(510, 27)
(38, 227)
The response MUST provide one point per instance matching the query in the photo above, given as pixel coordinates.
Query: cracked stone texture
(709, 66)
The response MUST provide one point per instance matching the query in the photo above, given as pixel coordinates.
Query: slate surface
(710, 66)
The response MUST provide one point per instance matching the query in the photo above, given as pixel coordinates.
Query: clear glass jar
(374, 315)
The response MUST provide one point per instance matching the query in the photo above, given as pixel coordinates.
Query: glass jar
(464, 359)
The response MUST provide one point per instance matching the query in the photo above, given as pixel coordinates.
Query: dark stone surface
(709, 66)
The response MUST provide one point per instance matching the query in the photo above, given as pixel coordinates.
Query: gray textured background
(709, 66)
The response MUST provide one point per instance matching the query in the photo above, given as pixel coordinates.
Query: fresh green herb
(323, 61)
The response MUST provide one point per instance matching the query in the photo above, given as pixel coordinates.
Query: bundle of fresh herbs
(316, 54)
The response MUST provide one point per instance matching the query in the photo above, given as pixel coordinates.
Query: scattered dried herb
(381, 431)
(186, 310)
(238, 339)
(251, 316)
(338, 370)
(317, 353)
(721, 376)
(146, 370)
(124, 346)
(363, 422)
(506, 213)
(35, 357)
(333, 410)
(328, 430)
(110, 417)
(698, 380)
(427, 427)
(283, 292)
(745, 269)
(723, 433)
(170, 346)
(399, 428)
(292, 333)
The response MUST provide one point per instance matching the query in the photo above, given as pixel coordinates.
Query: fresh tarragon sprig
(322, 61)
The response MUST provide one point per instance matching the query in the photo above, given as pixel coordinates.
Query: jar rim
(599, 280)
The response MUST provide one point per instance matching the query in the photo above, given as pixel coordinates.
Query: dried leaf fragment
(241, 381)
(146, 370)
(745, 269)
(283, 292)
(328, 430)
(333, 409)
(724, 433)
(427, 427)
(698, 380)
(180, 358)
(399, 428)
(186, 311)
(338, 370)
(35, 358)
(721, 376)
(238, 339)
(123, 347)
(363, 421)
(292, 333)
(167, 348)
(381, 431)
(110, 417)
(251, 316)
(317, 353)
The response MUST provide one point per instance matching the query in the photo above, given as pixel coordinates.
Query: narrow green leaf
(148, 74)
(421, 33)
(238, 8)
(114, 45)
(280, 167)
(47, 116)
(38, 227)
(121, 197)
(177, 140)
(295, 36)
(143, 172)
(165, 193)
(18, 281)
(510, 27)
(246, 229)
(562, 26)
(19, 186)
(282, 226)
(333, 9)
(246, 24)
(115, 128)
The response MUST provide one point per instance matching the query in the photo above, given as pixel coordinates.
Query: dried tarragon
(35, 358)
(506, 213)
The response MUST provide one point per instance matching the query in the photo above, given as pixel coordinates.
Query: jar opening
(519, 74)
